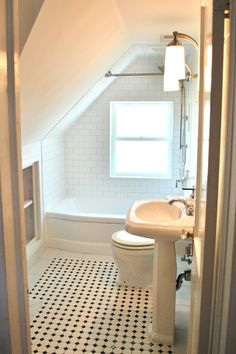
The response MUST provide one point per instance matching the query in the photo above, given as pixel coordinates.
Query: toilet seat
(125, 240)
(133, 256)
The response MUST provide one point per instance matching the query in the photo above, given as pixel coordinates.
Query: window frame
(114, 138)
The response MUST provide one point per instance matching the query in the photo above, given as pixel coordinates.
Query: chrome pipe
(186, 37)
(110, 74)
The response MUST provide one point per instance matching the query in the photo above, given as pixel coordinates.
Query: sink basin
(158, 219)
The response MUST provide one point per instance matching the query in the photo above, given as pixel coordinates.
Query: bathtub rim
(86, 217)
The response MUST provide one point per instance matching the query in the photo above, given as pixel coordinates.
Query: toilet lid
(124, 238)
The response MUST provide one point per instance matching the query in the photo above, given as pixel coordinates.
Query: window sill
(144, 177)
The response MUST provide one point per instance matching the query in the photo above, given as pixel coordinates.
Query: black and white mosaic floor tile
(84, 311)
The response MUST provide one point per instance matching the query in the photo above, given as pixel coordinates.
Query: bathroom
(90, 290)
(84, 205)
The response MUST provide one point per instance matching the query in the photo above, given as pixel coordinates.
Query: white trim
(5, 328)
(33, 251)
(225, 321)
(215, 333)
(210, 242)
(37, 200)
(79, 246)
(114, 138)
(12, 235)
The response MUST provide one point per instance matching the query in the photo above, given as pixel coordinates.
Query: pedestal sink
(164, 223)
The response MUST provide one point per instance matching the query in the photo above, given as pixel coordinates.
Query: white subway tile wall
(53, 162)
(87, 143)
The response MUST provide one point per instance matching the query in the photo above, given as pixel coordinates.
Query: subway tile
(78, 162)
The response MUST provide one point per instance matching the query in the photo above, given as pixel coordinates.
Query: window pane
(143, 119)
(142, 157)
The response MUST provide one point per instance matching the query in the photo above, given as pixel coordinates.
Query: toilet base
(136, 284)
(135, 267)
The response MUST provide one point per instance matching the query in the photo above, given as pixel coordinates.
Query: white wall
(28, 11)
(70, 47)
(53, 170)
(31, 154)
(192, 112)
(73, 43)
(87, 143)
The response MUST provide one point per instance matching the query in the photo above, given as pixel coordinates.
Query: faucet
(189, 207)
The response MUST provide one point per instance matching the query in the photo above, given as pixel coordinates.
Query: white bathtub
(85, 225)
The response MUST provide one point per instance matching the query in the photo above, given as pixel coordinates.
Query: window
(141, 137)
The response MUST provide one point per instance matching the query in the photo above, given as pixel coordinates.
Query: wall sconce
(175, 66)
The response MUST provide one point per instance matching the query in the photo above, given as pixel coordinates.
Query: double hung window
(141, 135)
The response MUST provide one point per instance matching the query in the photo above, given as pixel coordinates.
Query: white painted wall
(69, 48)
(31, 153)
(53, 170)
(192, 112)
(72, 44)
(28, 11)
(87, 143)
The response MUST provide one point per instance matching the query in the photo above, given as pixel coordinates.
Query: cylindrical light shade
(170, 83)
(174, 64)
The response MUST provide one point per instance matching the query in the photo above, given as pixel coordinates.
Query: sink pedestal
(164, 222)
(164, 291)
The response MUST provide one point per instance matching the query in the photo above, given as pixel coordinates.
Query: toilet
(134, 259)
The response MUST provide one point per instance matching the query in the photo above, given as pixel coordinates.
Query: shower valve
(186, 259)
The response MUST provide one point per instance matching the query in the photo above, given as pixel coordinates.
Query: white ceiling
(72, 45)
(146, 20)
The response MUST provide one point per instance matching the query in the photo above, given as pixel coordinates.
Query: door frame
(15, 333)
(224, 320)
(215, 332)
(14, 307)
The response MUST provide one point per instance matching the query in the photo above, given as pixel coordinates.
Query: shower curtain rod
(109, 74)
(189, 73)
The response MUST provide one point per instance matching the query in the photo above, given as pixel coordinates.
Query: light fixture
(170, 84)
(175, 66)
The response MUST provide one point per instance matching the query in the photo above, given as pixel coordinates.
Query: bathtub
(85, 225)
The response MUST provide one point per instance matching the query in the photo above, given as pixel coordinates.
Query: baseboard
(33, 251)
(78, 246)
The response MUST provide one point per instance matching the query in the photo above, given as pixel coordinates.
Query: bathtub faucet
(189, 206)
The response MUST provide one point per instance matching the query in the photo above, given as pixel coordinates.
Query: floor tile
(181, 317)
(32, 280)
(34, 306)
(50, 253)
(181, 341)
(39, 267)
(69, 254)
(183, 295)
(84, 311)
(97, 257)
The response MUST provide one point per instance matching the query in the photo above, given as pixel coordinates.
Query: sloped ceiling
(28, 12)
(72, 45)
(146, 20)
